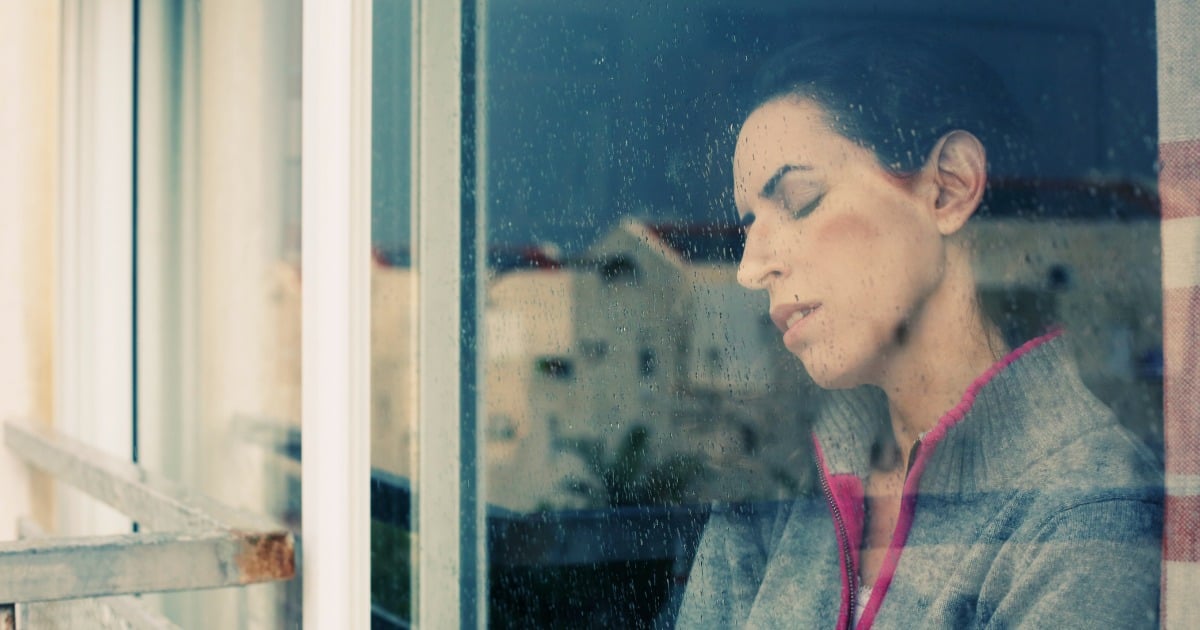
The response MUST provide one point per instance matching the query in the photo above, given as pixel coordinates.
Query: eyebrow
(768, 189)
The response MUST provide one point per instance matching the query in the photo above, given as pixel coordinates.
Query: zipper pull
(912, 457)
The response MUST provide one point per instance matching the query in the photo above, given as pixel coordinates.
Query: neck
(947, 346)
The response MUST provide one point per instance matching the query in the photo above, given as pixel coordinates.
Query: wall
(29, 39)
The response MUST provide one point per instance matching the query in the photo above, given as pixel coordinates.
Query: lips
(786, 316)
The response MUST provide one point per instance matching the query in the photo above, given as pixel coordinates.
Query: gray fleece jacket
(1026, 506)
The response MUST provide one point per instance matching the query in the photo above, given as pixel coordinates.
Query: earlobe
(959, 164)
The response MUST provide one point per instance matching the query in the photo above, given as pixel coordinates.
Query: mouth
(787, 316)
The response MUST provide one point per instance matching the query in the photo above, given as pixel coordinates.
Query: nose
(760, 263)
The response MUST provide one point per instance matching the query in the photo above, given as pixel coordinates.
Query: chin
(831, 372)
(828, 375)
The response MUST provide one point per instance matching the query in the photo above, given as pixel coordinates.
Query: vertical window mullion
(449, 576)
(335, 313)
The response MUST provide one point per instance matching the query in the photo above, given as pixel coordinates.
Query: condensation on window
(633, 387)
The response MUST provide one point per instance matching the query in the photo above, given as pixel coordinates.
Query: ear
(958, 166)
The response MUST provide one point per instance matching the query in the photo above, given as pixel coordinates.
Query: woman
(962, 483)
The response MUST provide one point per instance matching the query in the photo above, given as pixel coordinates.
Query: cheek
(852, 240)
(876, 268)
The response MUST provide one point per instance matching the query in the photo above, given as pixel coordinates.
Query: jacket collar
(1026, 405)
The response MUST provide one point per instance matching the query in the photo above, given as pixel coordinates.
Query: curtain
(1179, 190)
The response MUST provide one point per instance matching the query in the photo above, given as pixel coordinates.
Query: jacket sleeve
(708, 582)
(1093, 565)
(725, 576)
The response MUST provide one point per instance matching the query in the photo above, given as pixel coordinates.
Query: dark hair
(897, 95)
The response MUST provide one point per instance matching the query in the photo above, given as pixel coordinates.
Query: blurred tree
(630, 477)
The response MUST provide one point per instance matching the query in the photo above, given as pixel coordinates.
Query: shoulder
(1103, 463)
(1093, 562)
(1084, 538)
(1096, 500)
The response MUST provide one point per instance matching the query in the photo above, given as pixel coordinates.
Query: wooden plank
(122, 612)
(155, 503)
(69, 568)
(217, 547)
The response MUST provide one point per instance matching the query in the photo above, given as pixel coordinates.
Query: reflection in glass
(393, 291)
(631, 381)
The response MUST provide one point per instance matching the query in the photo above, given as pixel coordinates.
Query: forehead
(780, 132)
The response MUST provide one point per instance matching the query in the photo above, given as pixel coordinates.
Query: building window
(647, 362)
(619, 270)
(560, 368)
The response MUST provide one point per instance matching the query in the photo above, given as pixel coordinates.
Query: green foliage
(390, 568)
(630, 477)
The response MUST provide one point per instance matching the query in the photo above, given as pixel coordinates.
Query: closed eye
(807, 209)
(746, 221)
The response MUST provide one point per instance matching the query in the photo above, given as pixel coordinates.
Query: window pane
(634, 386)
(218, 270)
(393, 385)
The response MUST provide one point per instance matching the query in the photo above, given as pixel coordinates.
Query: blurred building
(648, 329)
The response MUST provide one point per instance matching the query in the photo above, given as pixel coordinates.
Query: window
(219, 276)
(712, 358)
(506, 333)
(647, 362)
(556, 367)
(606, 131)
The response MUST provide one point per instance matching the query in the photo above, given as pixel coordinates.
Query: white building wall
(29, 63)
(529, 316)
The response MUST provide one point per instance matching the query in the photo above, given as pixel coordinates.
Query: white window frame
(448, 545)
(448, 228)
(335, 311)
(95, 283)
(93, 341)
(448, 553)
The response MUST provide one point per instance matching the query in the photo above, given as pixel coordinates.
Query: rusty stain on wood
(267, 556)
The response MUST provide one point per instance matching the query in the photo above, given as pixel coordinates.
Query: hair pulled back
(897, 95)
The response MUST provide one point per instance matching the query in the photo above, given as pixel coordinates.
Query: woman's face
(847, 252)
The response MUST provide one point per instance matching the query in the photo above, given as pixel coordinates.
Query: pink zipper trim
(908, 498)
(847, 493)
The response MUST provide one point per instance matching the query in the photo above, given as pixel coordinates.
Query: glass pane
(637, 393)
(393, 386)
(218, 291)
